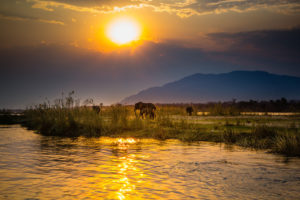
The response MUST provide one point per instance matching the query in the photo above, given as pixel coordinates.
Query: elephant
(189, 110)
(145, 109)
(138, 106)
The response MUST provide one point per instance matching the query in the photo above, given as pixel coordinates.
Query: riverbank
(9, 119)
(276, 134)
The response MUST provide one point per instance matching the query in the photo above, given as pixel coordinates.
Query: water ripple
(36, 167)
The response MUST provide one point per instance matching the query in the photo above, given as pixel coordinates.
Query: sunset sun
(123, 30)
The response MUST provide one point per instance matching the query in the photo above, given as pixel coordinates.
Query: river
(35, 167)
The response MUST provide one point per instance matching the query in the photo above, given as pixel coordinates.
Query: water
(39, 167)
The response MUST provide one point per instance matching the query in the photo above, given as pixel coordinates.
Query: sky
(50, 47)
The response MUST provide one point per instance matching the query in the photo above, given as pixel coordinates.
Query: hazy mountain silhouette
(240, 85)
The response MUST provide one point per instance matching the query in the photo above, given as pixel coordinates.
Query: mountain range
(239, 85)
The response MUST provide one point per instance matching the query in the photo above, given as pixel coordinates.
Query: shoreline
(275, 134)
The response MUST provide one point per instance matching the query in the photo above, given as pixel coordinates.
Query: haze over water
(40, 167)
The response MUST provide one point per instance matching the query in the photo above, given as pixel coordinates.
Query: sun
(123, 30)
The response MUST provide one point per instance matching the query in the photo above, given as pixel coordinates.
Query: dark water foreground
(40, 167)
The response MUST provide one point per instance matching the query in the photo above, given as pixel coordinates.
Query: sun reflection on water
(125, 141)
(126, 170)
(124, 175)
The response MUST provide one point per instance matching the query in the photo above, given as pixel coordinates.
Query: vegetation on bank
(117, 121)
(67, 119)
(7, 117)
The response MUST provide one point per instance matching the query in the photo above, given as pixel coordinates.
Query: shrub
(261, 132)
(287, 144)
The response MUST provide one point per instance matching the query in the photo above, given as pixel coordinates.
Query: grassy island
(279, 134)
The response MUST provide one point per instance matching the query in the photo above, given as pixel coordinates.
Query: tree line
(236, 107)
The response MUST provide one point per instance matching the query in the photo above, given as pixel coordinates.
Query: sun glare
(123, 30)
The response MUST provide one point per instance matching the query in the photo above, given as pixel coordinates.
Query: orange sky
(83, 23)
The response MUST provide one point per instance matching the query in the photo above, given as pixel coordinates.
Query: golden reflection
(118, 141)
(123, 144)
(122, 141)
(126, 170)
(121, 175)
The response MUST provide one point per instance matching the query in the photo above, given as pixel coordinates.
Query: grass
(278, 134)
(63, 122)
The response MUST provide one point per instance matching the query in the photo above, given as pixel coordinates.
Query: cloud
(28, 18)
(221, 6)
(29, 72)
(182, 8)
(273, 45)
(96, 6)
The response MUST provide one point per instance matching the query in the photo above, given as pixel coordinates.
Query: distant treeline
(235, 108)
(11, 116)
(10, 111)
(214, 108)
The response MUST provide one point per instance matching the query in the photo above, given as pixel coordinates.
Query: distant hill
(239, 85)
